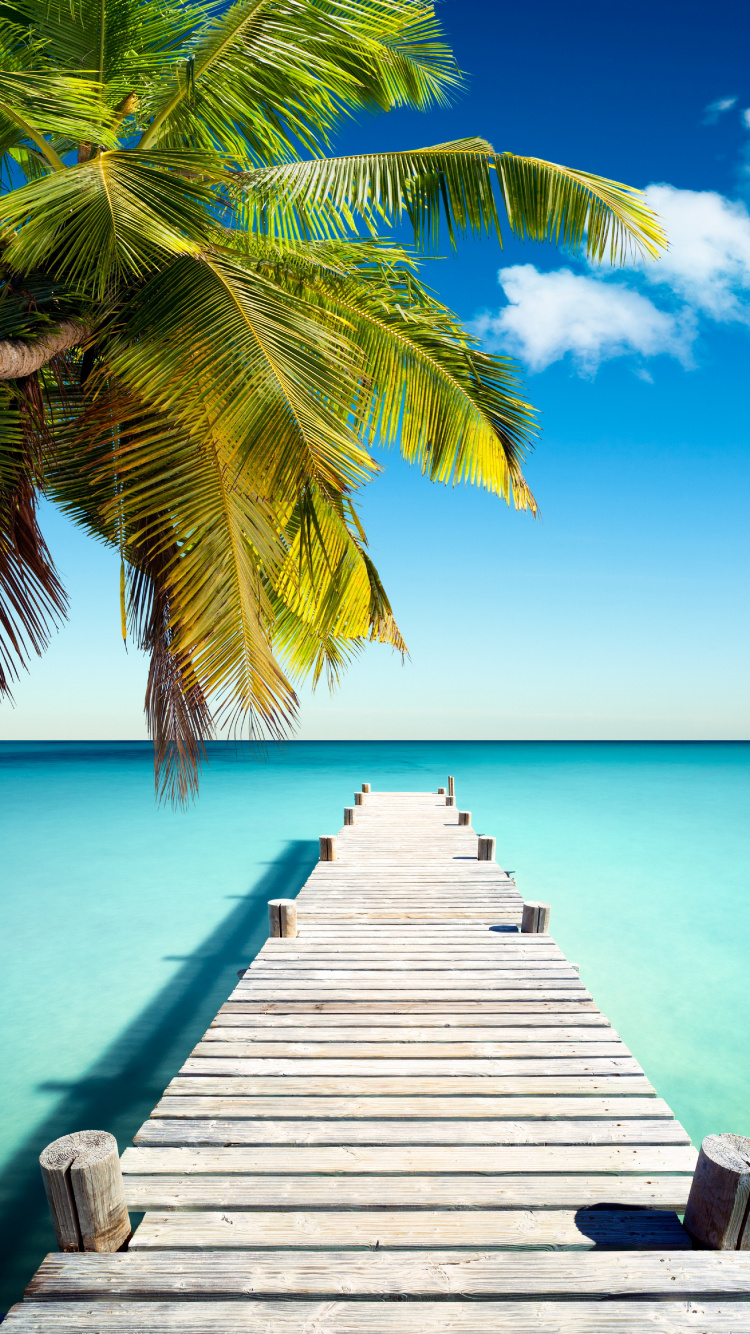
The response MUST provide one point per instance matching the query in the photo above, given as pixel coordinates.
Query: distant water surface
(124, 925)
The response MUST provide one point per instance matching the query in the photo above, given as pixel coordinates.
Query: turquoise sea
(124, 924)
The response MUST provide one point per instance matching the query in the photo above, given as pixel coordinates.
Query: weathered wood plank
(379, 1317)
(557, 1108)
(243, 1029)
(161, 1275)
(447, 1069)
(227, 1042)
(526, 1229)
(169, 1131)
(412, 1085)
(273, 992)
(413, 1158)
(377, 1191)
(234, 1014)
(451, 1006)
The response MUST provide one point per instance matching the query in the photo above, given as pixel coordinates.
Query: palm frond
(115, 217)
(453, 185)
(547, 202)
(32, 599)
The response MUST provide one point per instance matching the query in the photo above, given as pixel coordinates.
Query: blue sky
(621, 612)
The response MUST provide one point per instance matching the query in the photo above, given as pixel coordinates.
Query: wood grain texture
(363, 1317)
(171, 1132)
(502, 1229)
(582, 1191)
(405, 1159)
(462, 1109)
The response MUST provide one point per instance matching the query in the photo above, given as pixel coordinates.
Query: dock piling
(464, 817)
(327, 847)
(85, 1191)
(535, 918)
(451, 786)
(441, 791)
(365, 787)
(348, 815)
(450, 800)
(717, 1216)
(282, 917)
(485, 848)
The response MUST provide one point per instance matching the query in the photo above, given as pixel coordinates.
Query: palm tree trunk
(18, 358)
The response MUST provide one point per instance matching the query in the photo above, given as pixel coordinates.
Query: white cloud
(746, 118)
(550, 314)
(708, 262)
(715, 109)
(600, 315)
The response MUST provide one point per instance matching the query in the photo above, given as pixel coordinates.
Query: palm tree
(206, 328)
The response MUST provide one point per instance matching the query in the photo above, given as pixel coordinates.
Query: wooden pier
(409, 1117)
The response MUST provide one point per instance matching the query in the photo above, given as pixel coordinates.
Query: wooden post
(485, 848)
(450, 800)
(718, 1208)
(451, 788)
(535, 918)
(365, 787)
(464, 817)
(348, 815)
(282, 917)
(327, 847)
(441, 791)
(359, 798)
(85, 1191)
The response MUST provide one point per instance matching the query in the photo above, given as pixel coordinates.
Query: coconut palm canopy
(206, 328)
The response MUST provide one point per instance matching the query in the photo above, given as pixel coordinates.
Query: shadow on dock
(122, 1087)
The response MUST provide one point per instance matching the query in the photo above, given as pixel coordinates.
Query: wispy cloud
(716, 109)
(746, 118)
(650, 311)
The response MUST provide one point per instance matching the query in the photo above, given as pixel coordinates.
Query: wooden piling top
(409, 1117)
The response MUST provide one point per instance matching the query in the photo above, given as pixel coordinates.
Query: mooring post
(327, 847)
(451, 788)
(348, 815)
(359, 798)
(464, 817)
(85, 1191)
(485, 848)
(717, 1216)
(441, 791)
(450, 800)
(282, 917)
(365, 787)
(535, 918)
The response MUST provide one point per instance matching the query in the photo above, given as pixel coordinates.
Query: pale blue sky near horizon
(622, 611)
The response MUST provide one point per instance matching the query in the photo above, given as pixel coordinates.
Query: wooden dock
(410, 1117)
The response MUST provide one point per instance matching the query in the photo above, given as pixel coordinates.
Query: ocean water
(124, 924)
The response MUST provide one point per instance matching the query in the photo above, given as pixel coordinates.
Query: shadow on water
(122, 1087)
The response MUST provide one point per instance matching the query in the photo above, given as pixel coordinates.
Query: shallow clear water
(124, 925)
